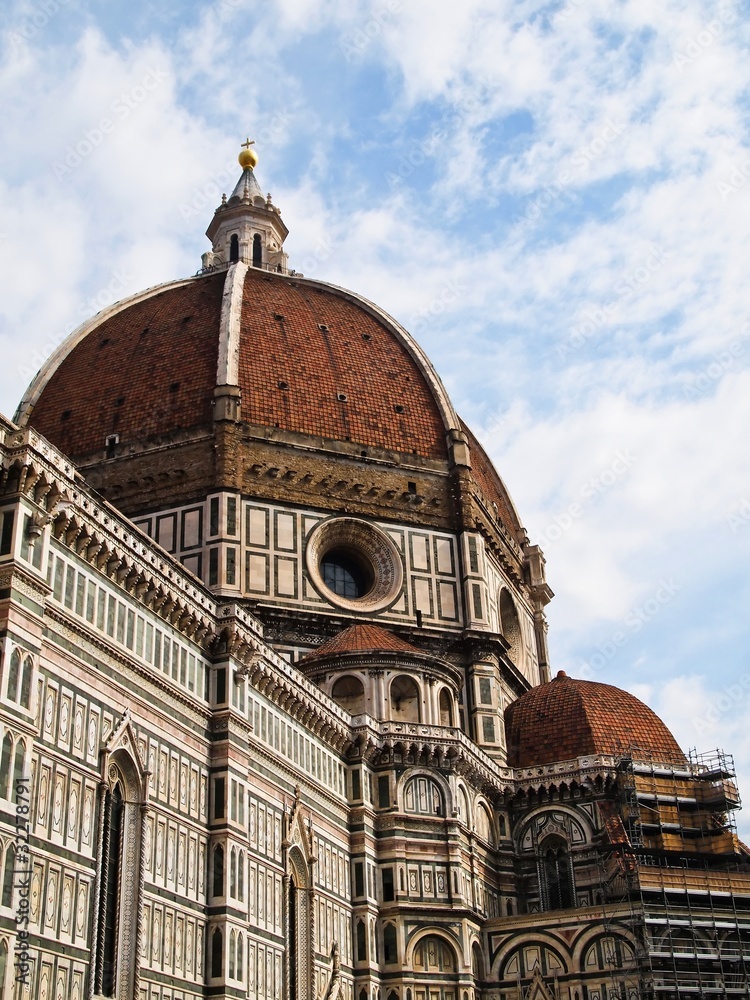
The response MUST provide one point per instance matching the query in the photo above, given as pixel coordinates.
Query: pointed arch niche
(298, 894)
(118, 893)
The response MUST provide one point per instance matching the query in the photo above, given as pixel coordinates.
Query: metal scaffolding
(681, 873)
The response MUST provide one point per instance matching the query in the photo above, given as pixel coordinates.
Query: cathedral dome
(569, 718)
(308, 358)
(359, 639)
(279, 356)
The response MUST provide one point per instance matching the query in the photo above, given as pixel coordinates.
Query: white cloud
(478, 243)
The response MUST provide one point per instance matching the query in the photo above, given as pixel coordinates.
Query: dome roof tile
(147, 370)
(361, 639)
(568, 718)
(324, 347)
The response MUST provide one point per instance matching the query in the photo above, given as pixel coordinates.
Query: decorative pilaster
(139, 913)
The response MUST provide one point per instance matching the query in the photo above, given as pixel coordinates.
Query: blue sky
(554, 197)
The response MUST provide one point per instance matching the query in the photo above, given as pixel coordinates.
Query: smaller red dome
(568, 718)
(360, 639)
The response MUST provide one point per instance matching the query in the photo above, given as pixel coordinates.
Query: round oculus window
(354, 564)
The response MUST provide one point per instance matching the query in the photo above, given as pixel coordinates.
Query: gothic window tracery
(390, 952)
(5, 769)
(120, 859)
(112, 877)
(510, 624)
(218, 871)
(8, 875)
(217, 953)
(484, 823)
(432, 954)
(14, 670)
(557, 889)
(3, 966)
(424, 797)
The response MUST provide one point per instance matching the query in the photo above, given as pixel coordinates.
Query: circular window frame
(368, 544)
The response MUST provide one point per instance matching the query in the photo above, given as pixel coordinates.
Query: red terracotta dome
(360, 639)
(310, 359)
(568, 718)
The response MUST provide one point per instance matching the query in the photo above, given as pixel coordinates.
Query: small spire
(248, 158)
(247, 226)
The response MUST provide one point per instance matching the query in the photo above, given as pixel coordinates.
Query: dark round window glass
(345, 574)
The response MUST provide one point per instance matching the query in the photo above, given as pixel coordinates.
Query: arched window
(232, 946)
(112, 871)
(432, 954)
(3, 966)
(300, 920)
(404, 699)
(118, 873)
(423, 796)
(233, 875)
(509, 624)
(8, 875)
(349, 693)
(390, 952)
(556, 875)
(234, 248)
(19, 763)
(484, 824)
(257, 251)
(241, 876)
(5, 771)
(28, 670)
(361, 942)
(14, 670)
(217, 954)
(463, 806)
(218, 880)
(446, 708)
(612, 952)
(477, 963)
(240, 954)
